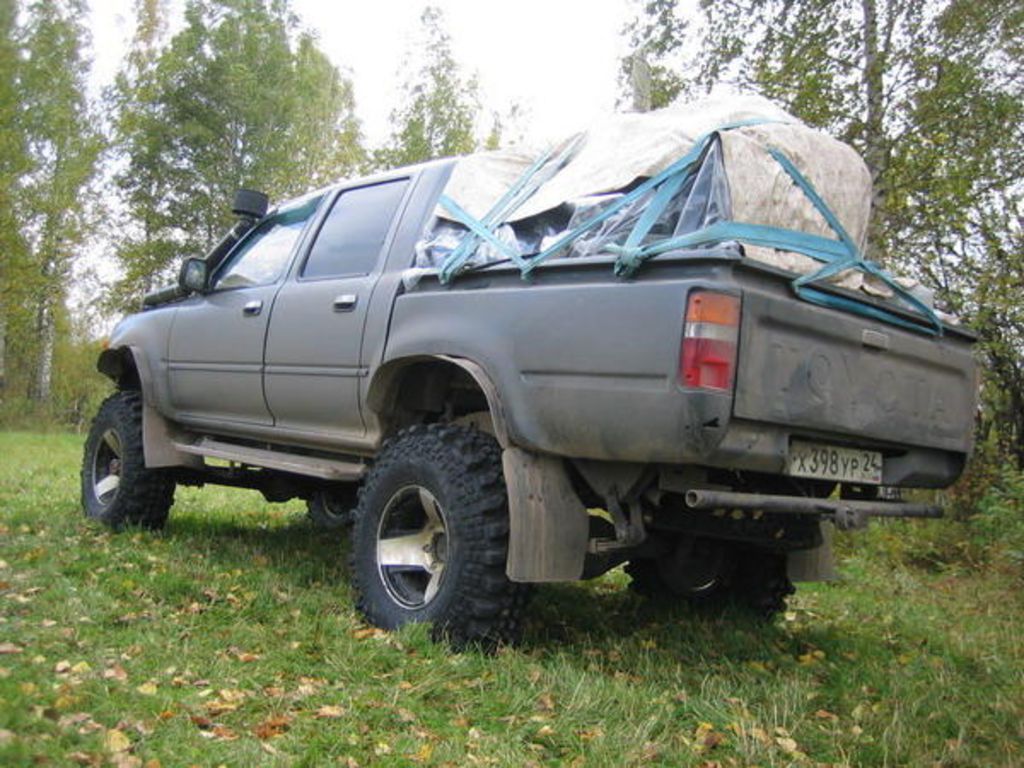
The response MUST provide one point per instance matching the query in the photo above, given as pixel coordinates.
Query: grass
(230, 639)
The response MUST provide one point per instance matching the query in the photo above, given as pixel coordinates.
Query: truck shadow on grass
(841, 646)
(560, 617)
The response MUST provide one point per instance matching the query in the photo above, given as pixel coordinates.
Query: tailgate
(835, 373)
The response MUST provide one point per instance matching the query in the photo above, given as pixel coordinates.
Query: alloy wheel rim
(412, 547)
(107, 465)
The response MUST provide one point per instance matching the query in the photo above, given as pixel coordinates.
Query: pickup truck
(696, 422)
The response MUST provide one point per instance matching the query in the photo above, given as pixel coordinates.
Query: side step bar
(846, 514)
(298, 464)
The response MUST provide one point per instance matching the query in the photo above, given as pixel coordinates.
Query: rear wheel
(117, 488)
(713, 575)
(430, 538)
(332, 509)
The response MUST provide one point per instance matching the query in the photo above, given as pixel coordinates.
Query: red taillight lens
(707, 359)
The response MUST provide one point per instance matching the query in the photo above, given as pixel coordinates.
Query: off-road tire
(461, 467)
(760, 583)
(143, 497)
(332, 510)
(757, 583)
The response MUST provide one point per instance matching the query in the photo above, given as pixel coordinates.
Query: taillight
(707, 359)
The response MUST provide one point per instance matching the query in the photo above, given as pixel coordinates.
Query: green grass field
(231, 639)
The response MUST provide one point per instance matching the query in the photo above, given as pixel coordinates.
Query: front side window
(263, 256)
(353, 234)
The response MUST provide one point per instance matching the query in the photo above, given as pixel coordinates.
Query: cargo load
(737, 169)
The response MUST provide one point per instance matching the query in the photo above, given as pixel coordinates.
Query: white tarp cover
(627, 147)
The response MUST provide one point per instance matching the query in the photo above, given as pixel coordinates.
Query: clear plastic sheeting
(735, 180)
(703, 200)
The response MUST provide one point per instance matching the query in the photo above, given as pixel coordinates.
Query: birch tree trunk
(46, 333)
(874, 127)
(640, 82)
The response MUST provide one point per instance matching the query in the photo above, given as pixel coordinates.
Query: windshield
(264, 254)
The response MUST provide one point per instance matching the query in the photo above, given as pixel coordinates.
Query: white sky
(558, 59)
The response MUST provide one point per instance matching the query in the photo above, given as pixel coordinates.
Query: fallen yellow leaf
(368, 632)
(787, 744)
(424, 753)
(147, 689)
(116, 741)
(329, 711)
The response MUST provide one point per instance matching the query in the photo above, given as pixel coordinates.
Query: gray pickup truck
(696, 422)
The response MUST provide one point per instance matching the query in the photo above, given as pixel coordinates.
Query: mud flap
(549, 526)
(816, 564)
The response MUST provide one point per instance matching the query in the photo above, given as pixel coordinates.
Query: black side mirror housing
(194, 275)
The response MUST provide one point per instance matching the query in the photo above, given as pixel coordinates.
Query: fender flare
(383, 386)
(128, 368)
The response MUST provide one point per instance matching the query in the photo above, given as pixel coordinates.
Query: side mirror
(193, 275)
(250, 203)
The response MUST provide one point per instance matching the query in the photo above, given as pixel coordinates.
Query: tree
(439, 105)
(13, 162)
(62, 147)
(932, 96)
(651, 75)
(239, 97)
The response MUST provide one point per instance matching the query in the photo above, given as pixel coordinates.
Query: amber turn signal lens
(717, 308)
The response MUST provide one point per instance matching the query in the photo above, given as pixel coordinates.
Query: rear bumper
(763, 447)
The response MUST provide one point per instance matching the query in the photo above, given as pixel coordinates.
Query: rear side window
(352, 236)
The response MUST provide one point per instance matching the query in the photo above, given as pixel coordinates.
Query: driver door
(215, 350)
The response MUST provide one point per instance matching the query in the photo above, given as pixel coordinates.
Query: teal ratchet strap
(837, 255)
(529, 182)
(855, 260)
(680, 168)
(522, 190)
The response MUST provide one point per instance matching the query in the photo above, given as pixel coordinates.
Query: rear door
(314, 359)
(215, 350)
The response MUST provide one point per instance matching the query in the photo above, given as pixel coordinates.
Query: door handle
(252, 308)
(346, 302)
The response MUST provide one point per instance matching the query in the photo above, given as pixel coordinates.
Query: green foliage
(231, 638)
(13, 162)
(999, 523)
(240, 97)
(439, 106)
(77, 391)
(51, 202)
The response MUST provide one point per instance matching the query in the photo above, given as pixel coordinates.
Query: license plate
(830, 462)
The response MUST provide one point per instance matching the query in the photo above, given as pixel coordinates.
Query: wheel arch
(127, 367)
(428, 383)
(119, 364)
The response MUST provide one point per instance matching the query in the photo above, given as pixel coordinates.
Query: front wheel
(430, 538)
(118, 489)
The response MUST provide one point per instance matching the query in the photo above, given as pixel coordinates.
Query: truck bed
(587, 366)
